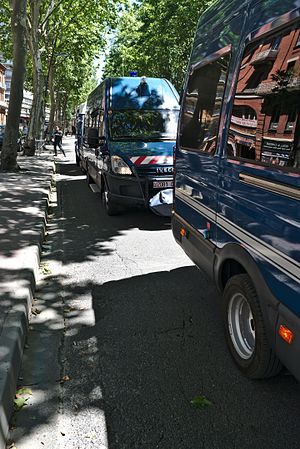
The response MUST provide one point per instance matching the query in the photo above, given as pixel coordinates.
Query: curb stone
(15, 326)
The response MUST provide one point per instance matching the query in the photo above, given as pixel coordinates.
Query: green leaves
(21, 398)
(19, 403)
(155, 38)
(200, 402)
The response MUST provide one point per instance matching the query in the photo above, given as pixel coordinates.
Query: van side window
(265, 121)
(202, 105)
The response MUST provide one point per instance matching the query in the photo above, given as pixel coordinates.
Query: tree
(18, 27)
(155, 37)
(56, 27)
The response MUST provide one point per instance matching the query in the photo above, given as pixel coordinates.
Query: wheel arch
(234, 259)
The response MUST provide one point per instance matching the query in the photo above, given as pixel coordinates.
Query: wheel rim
(241, 326)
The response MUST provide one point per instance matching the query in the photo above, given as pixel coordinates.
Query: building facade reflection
(265, 118)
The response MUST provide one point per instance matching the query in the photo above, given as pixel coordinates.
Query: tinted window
(202, 106)
(142, 93)
(265, 124)
(143, 124)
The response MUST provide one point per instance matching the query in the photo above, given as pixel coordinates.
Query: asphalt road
(136, 328)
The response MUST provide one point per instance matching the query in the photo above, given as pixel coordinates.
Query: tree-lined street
(110, 337)
(126, 333)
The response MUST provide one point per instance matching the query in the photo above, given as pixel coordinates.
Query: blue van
(237, 175)
(131, 126)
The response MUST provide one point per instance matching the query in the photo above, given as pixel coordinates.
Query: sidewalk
(23, 212)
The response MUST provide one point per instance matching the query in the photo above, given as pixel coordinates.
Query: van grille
(149, 170)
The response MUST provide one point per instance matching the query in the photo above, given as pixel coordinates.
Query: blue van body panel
(225, 217)
(265, 221)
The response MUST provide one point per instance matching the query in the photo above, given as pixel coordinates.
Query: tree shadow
(155, 341)
(159, 344)
(95, 240)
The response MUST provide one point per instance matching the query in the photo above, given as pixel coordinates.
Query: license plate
(162, 184)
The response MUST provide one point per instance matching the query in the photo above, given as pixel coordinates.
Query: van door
(196, 159)
(259, 202)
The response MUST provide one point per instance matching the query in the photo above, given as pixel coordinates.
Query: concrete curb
(14, 332)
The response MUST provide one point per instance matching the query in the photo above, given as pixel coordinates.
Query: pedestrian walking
(58, 135)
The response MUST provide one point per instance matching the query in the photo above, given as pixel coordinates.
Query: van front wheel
(245, 330)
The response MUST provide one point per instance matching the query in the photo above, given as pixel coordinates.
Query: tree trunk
(64, 113)
(10, 144)
(37, 110)
(52, 99)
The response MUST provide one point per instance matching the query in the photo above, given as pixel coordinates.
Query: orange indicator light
(286, 334)
(182, 232)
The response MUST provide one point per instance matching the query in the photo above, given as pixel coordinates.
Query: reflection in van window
(142, 93)
(201, 106)
(143, 125)
(269, 89)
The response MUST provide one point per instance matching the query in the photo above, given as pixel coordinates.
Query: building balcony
(252, 90)
(263, 56)
(244, 122)
(266, 88)
(273, 87)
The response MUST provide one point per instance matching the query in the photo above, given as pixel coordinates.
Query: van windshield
(142, 93)
(143, 125)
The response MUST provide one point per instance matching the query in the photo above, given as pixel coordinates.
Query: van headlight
(119, 166)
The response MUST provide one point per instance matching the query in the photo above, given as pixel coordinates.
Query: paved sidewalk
(23, 211)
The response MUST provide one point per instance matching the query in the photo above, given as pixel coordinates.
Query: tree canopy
(64, 37)
(154, 37)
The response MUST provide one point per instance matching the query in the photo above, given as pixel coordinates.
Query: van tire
(110, 207)
(245, 330)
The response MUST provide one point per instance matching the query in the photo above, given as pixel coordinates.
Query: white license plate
(162, 184)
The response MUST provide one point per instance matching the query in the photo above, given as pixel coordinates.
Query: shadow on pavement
(159, 344)
(93, 231)
(156, 343)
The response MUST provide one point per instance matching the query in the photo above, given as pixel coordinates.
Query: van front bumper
(135, 191)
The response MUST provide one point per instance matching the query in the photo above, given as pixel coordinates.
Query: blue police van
(237, 175)
(130, 132)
